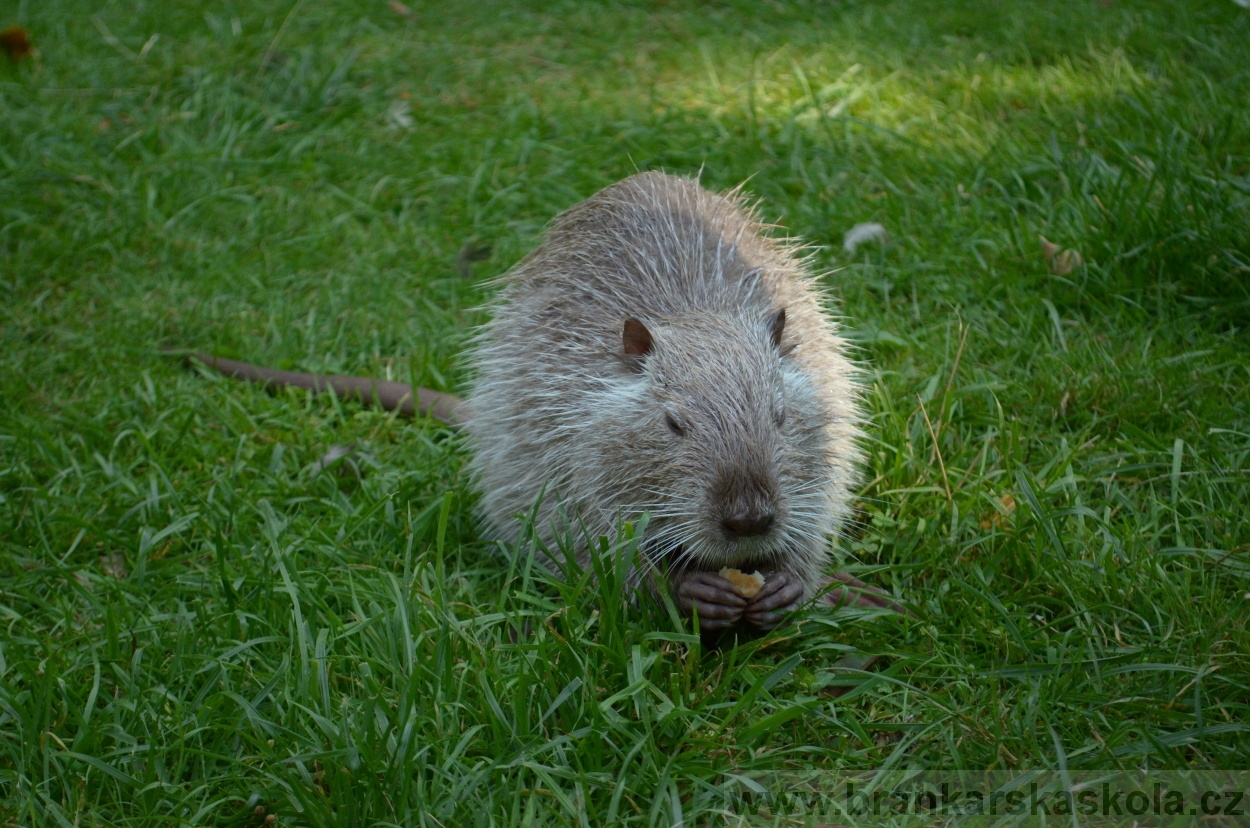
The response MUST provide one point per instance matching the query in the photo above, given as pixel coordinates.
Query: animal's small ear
(636, 339)
(777, 326)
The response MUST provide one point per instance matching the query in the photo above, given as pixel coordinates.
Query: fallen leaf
(1066, 262)
(114, 565)
(15, 42)
(400, 115)
(862, 234)
(1060, 263)
(1049, 248)
(399, 8)
(1000, 520)
(332, 456)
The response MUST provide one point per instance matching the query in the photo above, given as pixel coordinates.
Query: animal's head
(720, 435)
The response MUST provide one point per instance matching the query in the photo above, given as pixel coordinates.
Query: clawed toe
(719, 605)
(715, 601)
(780, 595)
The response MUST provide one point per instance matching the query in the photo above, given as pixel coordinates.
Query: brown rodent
(660, 353)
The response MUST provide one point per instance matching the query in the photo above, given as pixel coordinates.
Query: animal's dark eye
(780, 418)
(673, 425)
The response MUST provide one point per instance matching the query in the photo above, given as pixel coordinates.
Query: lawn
(201, 624)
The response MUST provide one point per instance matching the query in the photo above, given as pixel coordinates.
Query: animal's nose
(748, 524)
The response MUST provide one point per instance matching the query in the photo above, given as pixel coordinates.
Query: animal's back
(559, 410)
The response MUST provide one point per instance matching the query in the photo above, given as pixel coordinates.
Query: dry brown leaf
(1049, 248)
(15, 43)
(1060, 263)
(114, 565)
(399, 8)
(1066, 262)
(1001, 520)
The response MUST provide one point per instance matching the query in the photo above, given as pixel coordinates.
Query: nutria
(661, 353)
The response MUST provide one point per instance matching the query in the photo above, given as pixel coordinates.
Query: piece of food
(748, 585)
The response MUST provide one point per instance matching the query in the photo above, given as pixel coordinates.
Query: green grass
(194, 623)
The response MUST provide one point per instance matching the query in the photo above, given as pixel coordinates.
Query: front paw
(717, 603)
(780, 594)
